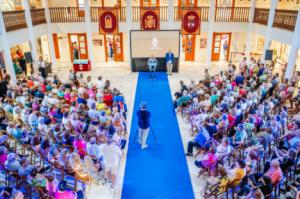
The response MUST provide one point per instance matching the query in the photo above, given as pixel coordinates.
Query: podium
(81, 65)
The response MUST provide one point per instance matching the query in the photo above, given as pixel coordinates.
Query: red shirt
(108, 99)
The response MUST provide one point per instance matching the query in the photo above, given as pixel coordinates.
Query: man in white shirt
(41, 65)
(111, 156)
(243, 65)
(93, 149)
(100, 83)
(223, 149)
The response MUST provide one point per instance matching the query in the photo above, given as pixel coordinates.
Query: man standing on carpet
(169, 59)
(144, 124)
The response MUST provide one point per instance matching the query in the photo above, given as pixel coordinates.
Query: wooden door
(83, 50)
(80, 42)
(80, 6)
(185, 3)
(56, 47)
(118, 47)
(217, 45)
(189, 47)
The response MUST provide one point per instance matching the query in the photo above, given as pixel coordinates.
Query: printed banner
(108, 21)
(150, 18)
(190, 21)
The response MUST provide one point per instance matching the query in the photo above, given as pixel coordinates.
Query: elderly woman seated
(207, 159)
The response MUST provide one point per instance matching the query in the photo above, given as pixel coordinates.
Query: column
(269, 26)
(211, 19)
(9, 66)
(49, 33)
(128, 24)
(89, 33)
(32, 43)
(294, 49)
(250, 30)
(170, 13)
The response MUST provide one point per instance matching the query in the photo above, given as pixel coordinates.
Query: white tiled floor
(122, 78)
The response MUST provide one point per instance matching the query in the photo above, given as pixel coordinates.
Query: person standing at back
(169, 59)
(143, 124)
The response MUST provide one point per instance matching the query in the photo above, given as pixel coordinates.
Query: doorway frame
(213, 45)
(122, 46)
(78, 43)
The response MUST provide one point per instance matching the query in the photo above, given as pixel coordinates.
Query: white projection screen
(156, 43)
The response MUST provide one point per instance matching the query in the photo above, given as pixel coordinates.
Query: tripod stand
(150, 131)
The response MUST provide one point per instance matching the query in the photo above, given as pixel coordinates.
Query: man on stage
(169, 59)
(152, 65)
(144, 124)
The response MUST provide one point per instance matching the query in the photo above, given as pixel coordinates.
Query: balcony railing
(66, 15)
(136, 13)
(14, 20)
(229, 14)
(38, 16)
(203, 12)
(285, 19)
(261, 16)
(95, 13)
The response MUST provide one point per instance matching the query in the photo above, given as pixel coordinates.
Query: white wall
(64, 48)
(298, 61)
(99, 51)
(1, 45)
(238, 29)
(200, 53)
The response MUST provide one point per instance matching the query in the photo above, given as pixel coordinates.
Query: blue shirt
(239, 79)
(143, 122)
(169, 58)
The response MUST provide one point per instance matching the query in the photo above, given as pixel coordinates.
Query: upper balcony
(284, 19)
(15, 20)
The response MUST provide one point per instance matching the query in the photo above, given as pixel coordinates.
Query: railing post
(9, 66)
(250, 30)
(269, 26)
(128, 24)
(87, 15)
(211, 16)
(294, 49)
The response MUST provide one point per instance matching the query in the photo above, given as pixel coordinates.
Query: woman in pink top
(80, 145)
(63, 193)
(274, 172)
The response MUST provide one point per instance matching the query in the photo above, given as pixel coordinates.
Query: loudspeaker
(269, 55)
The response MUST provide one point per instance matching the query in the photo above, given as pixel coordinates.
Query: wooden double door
(78, 46)
(221, 46)
(114, 47)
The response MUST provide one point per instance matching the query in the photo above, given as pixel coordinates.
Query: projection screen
(157, 43)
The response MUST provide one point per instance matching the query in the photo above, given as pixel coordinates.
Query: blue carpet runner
(160, 171)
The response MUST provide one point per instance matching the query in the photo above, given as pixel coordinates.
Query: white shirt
(41, 64)
(111, 155)
(222, 150)
(94, 150)
(100, 84)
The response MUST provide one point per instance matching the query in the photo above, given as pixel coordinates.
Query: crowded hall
(149, 99)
